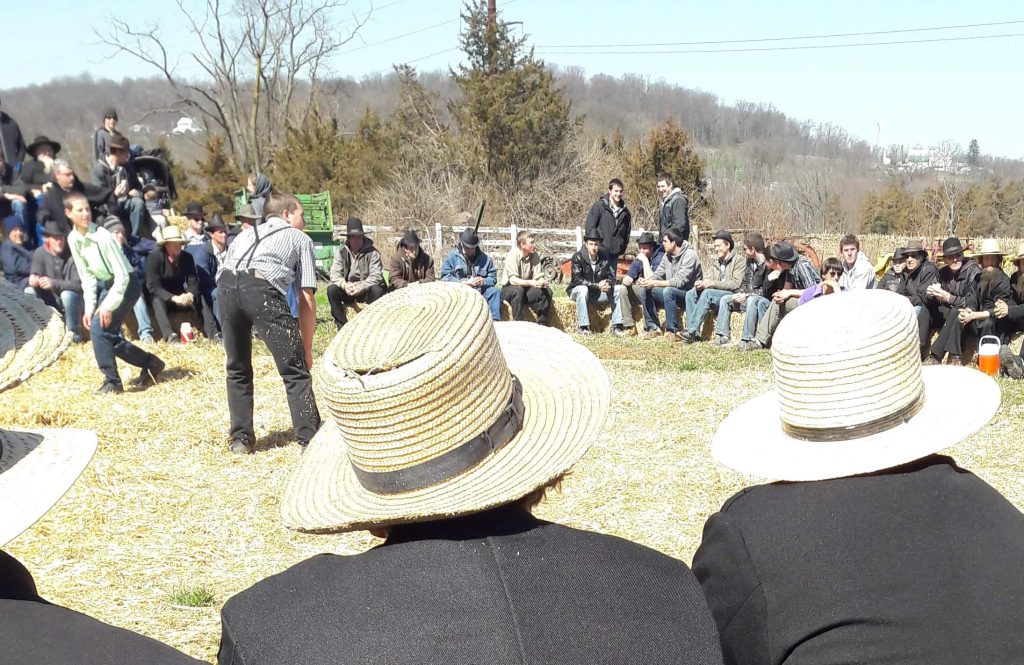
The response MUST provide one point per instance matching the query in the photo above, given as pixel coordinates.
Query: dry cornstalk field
(165, 514)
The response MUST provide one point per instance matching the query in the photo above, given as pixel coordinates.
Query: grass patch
(196, 596)
(688, 366)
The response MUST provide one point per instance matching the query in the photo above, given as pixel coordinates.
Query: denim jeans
(726, 306)
(653, 299)
(698, 305)
(107, 342)
(492, 295)
(673, 298)
(135, 208)
(142, 317)
(583, 295)
(753, 311)
(74, 305)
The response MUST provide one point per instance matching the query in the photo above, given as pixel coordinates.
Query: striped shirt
(99, 260)
(283, 255)
(803, 274)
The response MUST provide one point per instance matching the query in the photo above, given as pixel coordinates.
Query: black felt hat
(354, 227)
(593, 234)
(952, 246)
(194, 210)
(39, 142)
(783, 251)
(647, 238)
(54, 228)
(215, 222)
(469, 238)
(410, 239)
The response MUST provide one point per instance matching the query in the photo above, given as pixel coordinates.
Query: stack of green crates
(320, 227)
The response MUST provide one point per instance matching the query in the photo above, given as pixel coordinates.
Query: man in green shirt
(104, 269)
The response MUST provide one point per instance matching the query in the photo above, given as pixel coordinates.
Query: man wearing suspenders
(254, 277)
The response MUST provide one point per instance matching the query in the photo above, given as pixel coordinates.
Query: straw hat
(989, 247)
(38, 466)
(170, 234)
(1020, 253)
(851, 396)
(437, 412)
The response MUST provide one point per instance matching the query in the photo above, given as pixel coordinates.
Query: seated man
(114, 172)
(467, 574)
(956, 289)
(1010, 364)
(14, 195)
(858, 273)
(467, 264)
(676, 274)
(872, 547)
(65, 182)
(756, 304)
(593, 281)
(246, 217)
(136, 256)
(410, 264)
(15, 257)
(920, 274)
(104, 135)
(38, 468)
(979, 318)
(172, 281)
(525, 283)
(707, 293)
(832, 272)
(646, 262)
(196, 216)
(751, 289)
(357, 274)
(37, 174)
(799, 275)
(893, 278)
(208, 256)
(55, 278)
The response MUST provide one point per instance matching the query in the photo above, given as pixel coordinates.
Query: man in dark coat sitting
(172, 281)
(873, 549)
(460, 427)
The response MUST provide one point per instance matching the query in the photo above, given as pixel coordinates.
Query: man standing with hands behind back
(254, 278)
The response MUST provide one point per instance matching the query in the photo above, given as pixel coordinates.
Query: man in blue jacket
(646, 262)
(468, 265)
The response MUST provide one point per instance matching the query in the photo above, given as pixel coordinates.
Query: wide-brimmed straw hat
(37, 466)
(851, 395)
(438, 412)
(170, 233)
(1020, 253)
(989, 247)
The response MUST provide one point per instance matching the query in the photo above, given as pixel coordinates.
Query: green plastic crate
(317, 211)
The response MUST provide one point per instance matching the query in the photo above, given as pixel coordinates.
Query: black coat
(496, 587)
(11, 182)
(16, 263)
(106, 177)
(34, 632)
(962, 285)
(164, 280)
(52, 206)
(920, 564)
(674, 213)
(34, 175)
(615, 229)
(915, 284)
(583, 274)
(11, 141)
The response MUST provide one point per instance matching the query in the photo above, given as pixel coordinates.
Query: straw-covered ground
(165, 519)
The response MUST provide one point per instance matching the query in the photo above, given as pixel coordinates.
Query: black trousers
(930, 317)
(248, 303)
(201, 307)
(337, 298)
(519, 297)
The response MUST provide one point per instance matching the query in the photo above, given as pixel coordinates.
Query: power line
(789, 48)
(413, 32)
(782, 39)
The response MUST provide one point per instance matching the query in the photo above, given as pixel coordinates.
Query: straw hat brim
(958, 402)
(32, 336)
(566, 394)
(38, 467)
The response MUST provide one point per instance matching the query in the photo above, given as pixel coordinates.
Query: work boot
(147, 375)
(1011, 363)
(241, 447)
(109, 387)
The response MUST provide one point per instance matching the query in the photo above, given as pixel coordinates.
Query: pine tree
(218, 180)
(511, 118)
(973, 152)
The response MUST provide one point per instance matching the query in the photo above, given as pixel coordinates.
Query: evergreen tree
(973, 152)
(511, 118)
(218, 179)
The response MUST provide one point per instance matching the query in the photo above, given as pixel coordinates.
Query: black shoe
(109, 387)
(690, 338)
(147, 375)
(1011, 363)
(241, 447)
(172, 339)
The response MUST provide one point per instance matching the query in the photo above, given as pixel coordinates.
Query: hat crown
(989, 246)
(847, 365)
(415, 376)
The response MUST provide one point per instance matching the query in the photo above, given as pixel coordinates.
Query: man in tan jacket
(524, 282)
(706, 293)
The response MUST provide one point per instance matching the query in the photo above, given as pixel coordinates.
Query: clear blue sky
(910, 93)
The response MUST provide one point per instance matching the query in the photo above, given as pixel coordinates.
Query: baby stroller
(155, 176)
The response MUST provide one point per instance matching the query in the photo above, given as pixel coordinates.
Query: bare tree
(262, 61)
(813, 199)
(952, 202)
(945, 153)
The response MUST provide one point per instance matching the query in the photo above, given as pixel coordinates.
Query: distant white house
(139, 129)
(186, 125)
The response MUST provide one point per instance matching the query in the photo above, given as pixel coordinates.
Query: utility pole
(492, 31)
